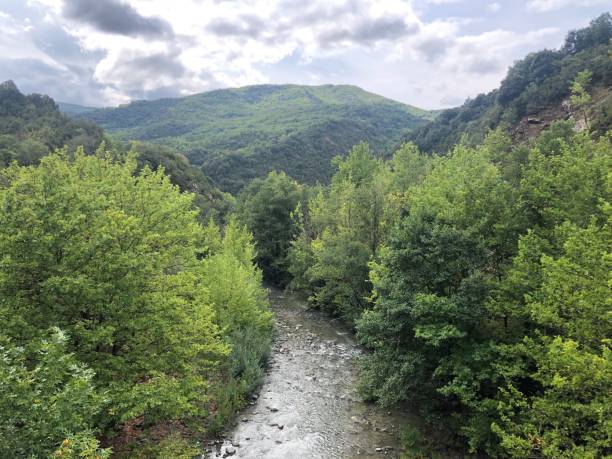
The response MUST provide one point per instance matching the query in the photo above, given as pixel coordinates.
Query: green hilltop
(238, 134)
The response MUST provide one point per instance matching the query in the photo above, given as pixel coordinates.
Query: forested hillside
(239, 134)
(32, 127)
(536, 91)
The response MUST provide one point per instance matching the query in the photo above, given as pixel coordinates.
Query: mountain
(238, 134)
(533, 94)
(31, 127)
(73, 109)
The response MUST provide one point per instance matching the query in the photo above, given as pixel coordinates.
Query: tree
(599, 32)
(233, 286)
(48, 401)
(580, 97)
(266, 207)
(346, 227)
(570, 355)
(428, 329)
(553, 399)
(110, 256)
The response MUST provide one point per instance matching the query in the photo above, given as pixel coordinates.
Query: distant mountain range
(235, 135)
(238, 134)
(73, 109)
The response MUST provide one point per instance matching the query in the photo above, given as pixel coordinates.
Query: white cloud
(222, 43)
(168, 48)
(494, 7)
(542, 6)
(13, 45)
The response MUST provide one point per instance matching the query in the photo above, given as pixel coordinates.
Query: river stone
(229, 451)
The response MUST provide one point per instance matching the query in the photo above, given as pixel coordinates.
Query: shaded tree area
(266, 207)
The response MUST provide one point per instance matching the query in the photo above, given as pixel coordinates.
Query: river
(308, 406)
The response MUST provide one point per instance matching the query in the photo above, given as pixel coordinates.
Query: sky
(428, 53)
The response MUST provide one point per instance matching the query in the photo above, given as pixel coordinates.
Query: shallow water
(308, 406)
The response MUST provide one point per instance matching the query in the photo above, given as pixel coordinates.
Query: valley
(302, 270)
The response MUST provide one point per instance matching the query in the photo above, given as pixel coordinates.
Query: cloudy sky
(429, 53)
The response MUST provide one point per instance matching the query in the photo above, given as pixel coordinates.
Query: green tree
(580, 98)
(554, 395)
(349, 222)
(429, 326)
(240, 302)
(111, 257)
(266, 206)
(343, 227)
(570, 358)
(48, 401)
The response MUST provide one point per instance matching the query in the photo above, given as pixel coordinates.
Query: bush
(48, 401)
(111, 256)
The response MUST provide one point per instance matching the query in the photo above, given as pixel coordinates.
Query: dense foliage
(154, 309)
(341, 229)
(47, 400)
(212, 202)
(239, 134)
(481, 282)
(267, 209)
(540, 81)
(32, 127)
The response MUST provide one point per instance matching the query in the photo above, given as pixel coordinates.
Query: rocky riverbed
(308, 406)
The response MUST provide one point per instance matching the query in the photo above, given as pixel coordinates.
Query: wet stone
(308, 406)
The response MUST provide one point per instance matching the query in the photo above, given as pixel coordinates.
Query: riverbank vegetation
(480, 282)
(123, 317)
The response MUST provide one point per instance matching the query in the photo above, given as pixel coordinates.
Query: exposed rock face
(530, 127)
